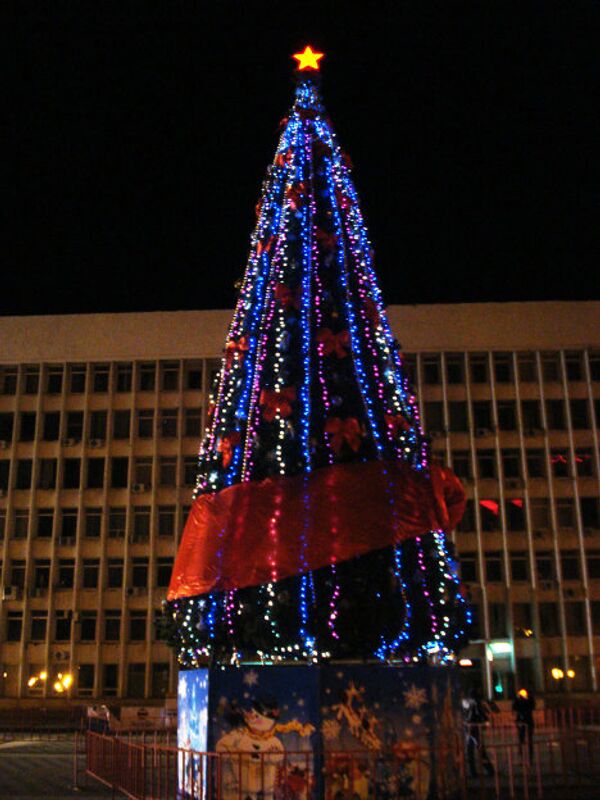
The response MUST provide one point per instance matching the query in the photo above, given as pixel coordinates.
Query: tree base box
(333, 732)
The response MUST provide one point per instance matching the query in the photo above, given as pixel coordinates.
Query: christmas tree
(319, 522)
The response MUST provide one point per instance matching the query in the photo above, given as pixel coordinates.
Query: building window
(39, 624)
(66, 573)
(579, 414)
(574, 366)
(482, 416)
(115, 573)
(32, 380)
(503, 367)
(137, 626)
(119, 467)
(431, 369)
(169, 371)
(2, 529)
(434, 417)
(192, 422)
(461, 463)
(544, 564)
(193, 375)
(74, 426)
(145, 423)
(21, 523)
(536, 463)
(87, 631)
(47, 473)
(62, 625)
(467, 523)
(569, 561)
(511, 463)
(555, 414)
(98, 426)
(116, 523)
(27, 426)
(560, 463)
(575, 618)
(24, 473)
(166, 520)
(539, 508)
(507, 415)
(551, 367)
(51, 426)
(14, 626)
(8, 381)
(498, 621)
(141, 523)
(110, 679)
(549, 618)
(457, 413)
(54, 379)
(143, 471)
(527, 367)
(100, 378)
(112, 625)
(455, 368)
(486, 463)
(493, 567)
(68, 523)
(85, 679)
(565, 512)
(136, 678)
(93, 523)
(515, 514)
(468, 567)
(147, 377)
(190, 470)
(124, 374)
(522, 619)
(71, 473)
(139, 573)
(90, 573)
(478, 363)
(17, 573)
(41, 573)
(45, 522)
(167, 471)
(584, 463)
(95, 473)
(164, 568)
(168, 422)
(4, 473)
(77, 378)
(6, 427)
(121, 424)
(519, 567)
(160, 679)
(590, 512)
(531, 416)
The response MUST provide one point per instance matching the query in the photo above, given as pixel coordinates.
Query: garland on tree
(317, 529)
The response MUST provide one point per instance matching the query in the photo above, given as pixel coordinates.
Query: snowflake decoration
(331, 729)
(251, 678)
(415, 697)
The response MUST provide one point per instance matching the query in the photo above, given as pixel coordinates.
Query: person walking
(524, 706)
(476, 715)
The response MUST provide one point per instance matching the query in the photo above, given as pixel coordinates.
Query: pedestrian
(524, 706)
(476, 715)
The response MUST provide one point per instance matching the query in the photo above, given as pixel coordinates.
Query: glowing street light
(557, 673)
(570, 673)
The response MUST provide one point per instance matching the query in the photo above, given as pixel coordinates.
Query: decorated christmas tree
(319, 522)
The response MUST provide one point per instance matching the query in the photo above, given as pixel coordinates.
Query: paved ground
(34, 769)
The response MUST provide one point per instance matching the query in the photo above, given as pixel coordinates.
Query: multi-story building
(100, 421)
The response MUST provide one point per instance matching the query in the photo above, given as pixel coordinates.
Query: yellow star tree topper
(308, 59)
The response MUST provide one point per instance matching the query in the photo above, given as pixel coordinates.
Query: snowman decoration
(251, 753)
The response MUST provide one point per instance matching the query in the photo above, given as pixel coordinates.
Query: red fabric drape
(255, 532)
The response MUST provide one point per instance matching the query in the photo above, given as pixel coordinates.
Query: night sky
(143, 131)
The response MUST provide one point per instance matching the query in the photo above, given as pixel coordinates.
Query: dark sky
(143, 131)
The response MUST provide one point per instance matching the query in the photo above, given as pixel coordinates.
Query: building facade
(100, 421)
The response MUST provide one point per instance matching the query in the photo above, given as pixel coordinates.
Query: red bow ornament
(295, 194)
(285, 296)
(234, 348)
(396, 422)
(264, 247)
(343, 430)
(333, 343)
(326, 240)
(273, 401)
(226, 446)
(281, 159)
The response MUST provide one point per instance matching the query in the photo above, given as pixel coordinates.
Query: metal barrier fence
(486, 762)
